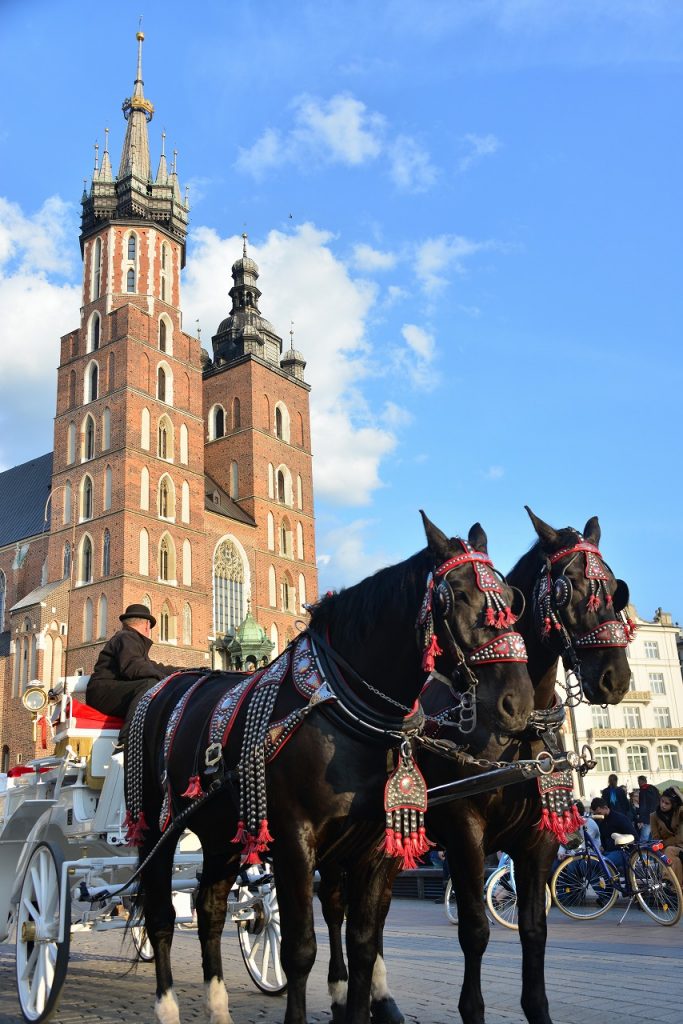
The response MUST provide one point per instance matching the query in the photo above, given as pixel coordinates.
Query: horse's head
(579, 610)
(468, 629)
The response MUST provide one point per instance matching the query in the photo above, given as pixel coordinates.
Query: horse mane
(525, 571)
(390, 598)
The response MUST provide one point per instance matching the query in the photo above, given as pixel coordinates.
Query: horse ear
(591, 531)
(548, 537)
(478, 539)
(436, 540)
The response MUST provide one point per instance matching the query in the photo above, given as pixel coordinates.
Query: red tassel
(500, 621)
(576, 819)
(241, 833)
(264, 836)
(388, 845)
(609, 601)
(409, 859)
(546, 626)
(593, 603)
(544, 823)
(430, 654)
(398, 844)
(490, 616)
(194, 788)
(510, 619)
(424, 844)
(135, 830)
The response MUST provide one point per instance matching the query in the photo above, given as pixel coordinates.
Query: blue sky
(470, 212)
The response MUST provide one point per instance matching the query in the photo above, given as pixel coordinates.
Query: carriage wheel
(141, 941)
(260, 940)
(41, 959)
(450, 904)
(656, 887)
(580, 888)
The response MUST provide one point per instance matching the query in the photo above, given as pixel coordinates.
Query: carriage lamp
(34, 699)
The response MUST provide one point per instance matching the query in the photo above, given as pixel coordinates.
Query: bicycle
(586, 885)
(500, 896)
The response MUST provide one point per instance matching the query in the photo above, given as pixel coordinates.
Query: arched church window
(131, 247)
(130, 280)
(228, 588)
(162, 335)
(89, 439)
(106, 554)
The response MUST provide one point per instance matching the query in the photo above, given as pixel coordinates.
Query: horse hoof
(385, 1011)
(338, 1013)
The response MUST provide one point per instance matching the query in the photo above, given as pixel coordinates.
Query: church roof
(36, 596)
(24, 491)
(217, 500)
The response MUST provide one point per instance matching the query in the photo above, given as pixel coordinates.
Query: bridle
(439, 601)
(552, 594)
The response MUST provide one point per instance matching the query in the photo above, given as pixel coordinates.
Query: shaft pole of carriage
(493, 779)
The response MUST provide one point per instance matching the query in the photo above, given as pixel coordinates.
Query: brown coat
(672, 836)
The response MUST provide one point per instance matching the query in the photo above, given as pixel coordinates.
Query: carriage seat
(622, 838)
(90, 734)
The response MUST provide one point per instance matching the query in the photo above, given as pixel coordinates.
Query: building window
(651, 648)
(282, 422)
(236, 414)
(97, 269)
(102, 617)
(607, 759)
(287, 595)
(218, 422)
(85, 575)
(106, 554)
(632, 718)
(131, 247)
(187, 625)
(161, 384)
(89, 439)
(163, 288)
(130, 280)
(285, 539)
(600, 718)
(162, 439)
(656, 680)
(662, 718)
(162, 335)
(86, 498)
(66, 562)
(637, 759)
(95, 332)
(92, 382)
(164, 625)
(281, 491)
(164, 559)
(163, 498)
(228, 588)
(668, 758)
(278, 423)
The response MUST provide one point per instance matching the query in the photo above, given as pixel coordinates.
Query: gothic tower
(127, 521)
(258, 452)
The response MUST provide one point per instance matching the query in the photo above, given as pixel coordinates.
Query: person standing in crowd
(648, 801)
(615, 797)
(666, 824)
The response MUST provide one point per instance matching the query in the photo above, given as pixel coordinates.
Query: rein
(552, 595)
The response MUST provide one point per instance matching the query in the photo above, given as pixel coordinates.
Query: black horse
(325, 787)
(573, 611)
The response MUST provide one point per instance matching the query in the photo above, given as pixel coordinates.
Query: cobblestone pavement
(598, 971)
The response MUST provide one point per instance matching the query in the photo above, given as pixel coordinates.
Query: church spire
(138, 112)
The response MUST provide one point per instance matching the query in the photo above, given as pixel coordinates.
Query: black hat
(138, 611)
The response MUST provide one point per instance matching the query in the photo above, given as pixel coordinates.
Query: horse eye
(461, 595)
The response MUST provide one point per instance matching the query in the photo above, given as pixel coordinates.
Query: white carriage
(64, 855)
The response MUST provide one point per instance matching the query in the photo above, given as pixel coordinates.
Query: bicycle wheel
(450, 905)
(580, 888)
(656, 887)
(501, 898)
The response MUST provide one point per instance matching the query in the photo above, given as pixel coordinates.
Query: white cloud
(493, 473)
(436, 255)
(304, 282)
(411, 166)
(369, 259)
(416, 358)
(350, 560)
(478, 146)
(419, 340)
(36, 311)
(340, 130)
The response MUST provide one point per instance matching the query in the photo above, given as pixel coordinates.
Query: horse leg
(218, 873)
(333, 902)
(366, 897)
(467, 874)
(293, 863)
(383, 1006)
(531, 872)
(159, 916)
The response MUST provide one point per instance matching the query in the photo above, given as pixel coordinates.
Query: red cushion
(85, 717)
(25, 769)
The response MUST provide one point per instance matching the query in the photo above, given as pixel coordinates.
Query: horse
(573, 612)
(320, 799)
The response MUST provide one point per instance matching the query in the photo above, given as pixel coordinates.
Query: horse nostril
(508, 705)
